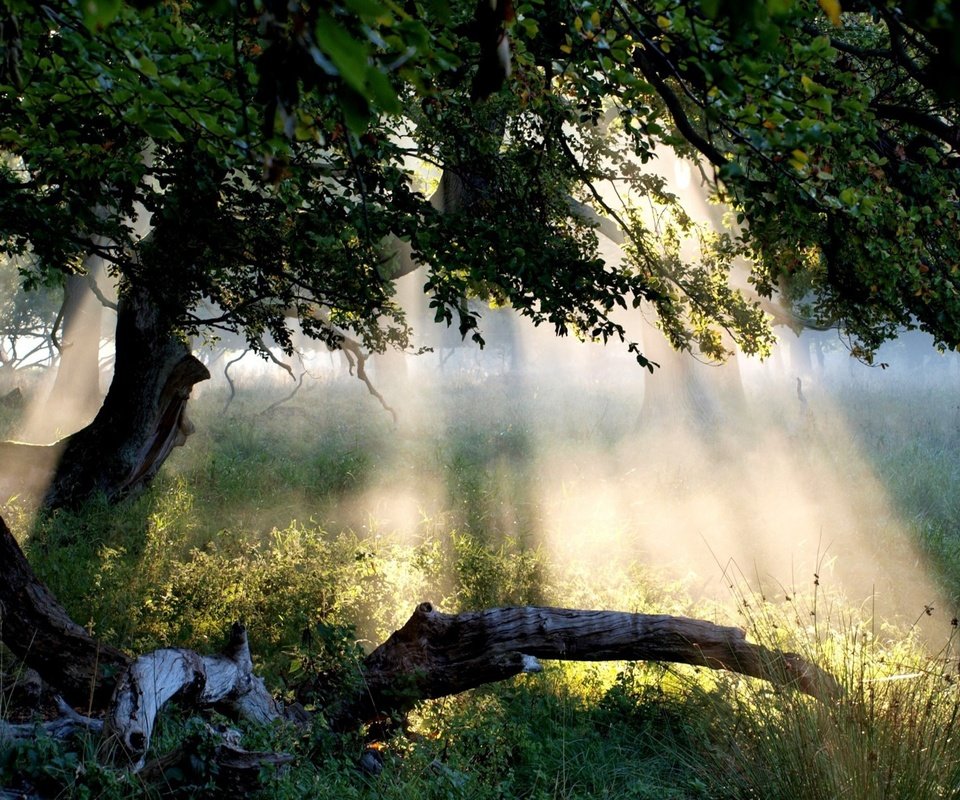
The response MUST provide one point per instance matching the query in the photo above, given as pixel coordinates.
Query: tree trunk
(143, 416)
(39, 631)
(75, 395)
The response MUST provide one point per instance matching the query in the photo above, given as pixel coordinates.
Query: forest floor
(830, 528)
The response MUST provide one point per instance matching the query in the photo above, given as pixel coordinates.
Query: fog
(767, 474)
(765, 481)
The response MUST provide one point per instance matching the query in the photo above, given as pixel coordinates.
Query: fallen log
(432, 655)
(225, 681)
(435, 654)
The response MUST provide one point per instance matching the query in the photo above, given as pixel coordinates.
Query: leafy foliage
(270, 147)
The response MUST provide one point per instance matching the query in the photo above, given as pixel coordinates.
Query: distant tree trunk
(683, 391)
(75, 395)
(143, 415)
(78, 375)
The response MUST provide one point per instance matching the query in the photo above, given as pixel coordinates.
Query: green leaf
(439, 10)
(97, 14)
(710, 8)
(848, 196)
(779, 7)
(348, 55)
(356, 111)
(147, 67)
(382, 92)
(369, 9)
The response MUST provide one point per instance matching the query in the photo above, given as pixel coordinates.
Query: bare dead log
(63, 727)
(436, 654)
(226, 681)
(38, 630)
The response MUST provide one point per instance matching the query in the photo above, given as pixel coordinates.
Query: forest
(441, 399)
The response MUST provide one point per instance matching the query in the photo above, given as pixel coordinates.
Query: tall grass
(891, 733)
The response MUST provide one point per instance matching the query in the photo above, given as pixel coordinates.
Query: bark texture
(225, 680)
(40, 632)
(436, 654)
(143, 416)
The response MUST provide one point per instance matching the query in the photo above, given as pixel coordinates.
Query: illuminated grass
(321, 522)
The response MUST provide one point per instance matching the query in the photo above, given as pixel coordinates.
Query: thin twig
(226, 374)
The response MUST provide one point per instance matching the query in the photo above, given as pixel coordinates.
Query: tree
(266, 145)
(251, 159)
(27, 320)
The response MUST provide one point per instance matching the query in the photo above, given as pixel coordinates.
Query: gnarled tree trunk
(143, 416)
(435, 654)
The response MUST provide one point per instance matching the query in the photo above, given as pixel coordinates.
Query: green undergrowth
(321, 526)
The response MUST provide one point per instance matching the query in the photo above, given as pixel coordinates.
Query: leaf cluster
(253, 162)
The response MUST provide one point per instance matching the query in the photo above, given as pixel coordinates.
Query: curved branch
(675, 107)
(936, 126)
(98, 293)
(356, 358)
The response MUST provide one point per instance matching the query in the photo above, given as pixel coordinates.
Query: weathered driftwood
(436, 654)
(226, 681)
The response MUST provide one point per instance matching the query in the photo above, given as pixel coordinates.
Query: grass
(320, 524)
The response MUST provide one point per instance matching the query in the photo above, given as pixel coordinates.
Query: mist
(775, 475)
(770, 474)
